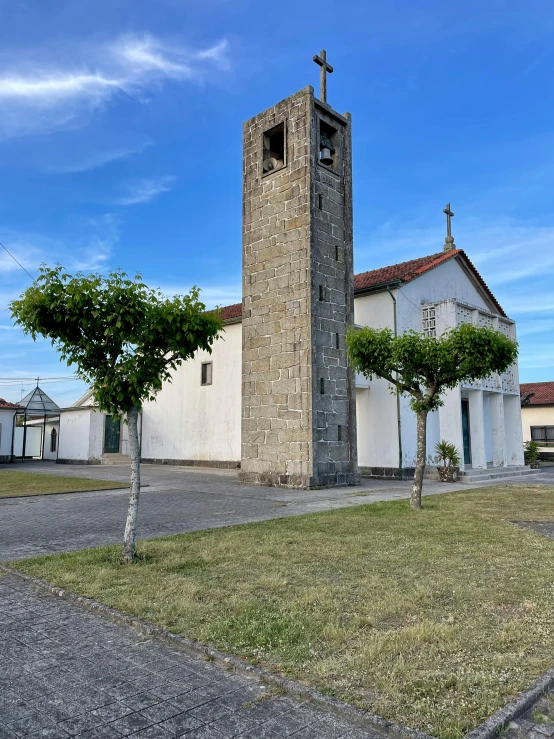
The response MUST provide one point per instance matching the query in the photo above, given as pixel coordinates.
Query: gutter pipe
(398, 417)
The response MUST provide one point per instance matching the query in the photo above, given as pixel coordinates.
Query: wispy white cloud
(36, 97)
(88, 245)
(99, 159)
(145, 190)
(538, 326)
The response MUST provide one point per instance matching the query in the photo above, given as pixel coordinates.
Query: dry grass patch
(14, 483)
(433, 618)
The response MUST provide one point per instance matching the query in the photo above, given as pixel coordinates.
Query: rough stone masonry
(298, 402)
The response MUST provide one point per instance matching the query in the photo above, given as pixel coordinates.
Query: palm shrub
(448, 454)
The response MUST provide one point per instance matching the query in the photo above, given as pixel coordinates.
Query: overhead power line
(15, 260)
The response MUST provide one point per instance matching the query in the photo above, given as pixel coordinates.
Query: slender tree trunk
(132, 511)
(415, 500)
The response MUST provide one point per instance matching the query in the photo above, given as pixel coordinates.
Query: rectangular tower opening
(274, 149)
(328, 145)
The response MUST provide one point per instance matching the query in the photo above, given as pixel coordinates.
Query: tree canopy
(424, 367)
(123, 338)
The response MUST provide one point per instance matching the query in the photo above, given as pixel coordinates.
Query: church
(276, 398)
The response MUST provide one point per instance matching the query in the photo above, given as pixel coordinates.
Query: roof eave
(381, 287)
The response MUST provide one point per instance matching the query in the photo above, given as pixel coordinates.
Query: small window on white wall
(429, 322)
(206, 376)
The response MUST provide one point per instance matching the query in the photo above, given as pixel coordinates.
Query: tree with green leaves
(124, 338)
(423, 368)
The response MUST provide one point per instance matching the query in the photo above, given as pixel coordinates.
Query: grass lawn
(15, 483)
(434, 618)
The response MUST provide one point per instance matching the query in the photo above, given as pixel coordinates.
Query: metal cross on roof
(321, 59)
(449, 244)
(449, 216)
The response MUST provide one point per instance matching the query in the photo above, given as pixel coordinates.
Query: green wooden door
(112, 430)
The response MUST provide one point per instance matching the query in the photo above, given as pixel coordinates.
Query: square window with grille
(206, 376)
(429, 322)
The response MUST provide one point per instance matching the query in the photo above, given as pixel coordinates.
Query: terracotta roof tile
(7, 404)
(229, 312)
(542, 393)
(403, 272)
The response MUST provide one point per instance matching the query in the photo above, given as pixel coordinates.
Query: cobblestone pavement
(174, 500)
(68, 672)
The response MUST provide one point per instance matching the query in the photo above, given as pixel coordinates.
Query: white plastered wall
(6, 431)
(48, 438)
(190, 421)
(536, 416)
(376, 412)
(80, 435)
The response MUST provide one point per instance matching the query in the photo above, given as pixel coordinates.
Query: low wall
(388, 473)
(215, 463)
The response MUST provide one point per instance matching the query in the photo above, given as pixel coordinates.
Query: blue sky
(120, 142)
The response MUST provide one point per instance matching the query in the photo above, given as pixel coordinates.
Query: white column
(477, 429)
(513, 430)
(498, 433)
(450, 421)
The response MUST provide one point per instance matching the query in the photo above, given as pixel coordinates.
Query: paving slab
(69, 672)
(177, 500)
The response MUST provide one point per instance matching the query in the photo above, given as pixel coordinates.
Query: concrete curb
(361, 718)
(67, 492)
(492, 727)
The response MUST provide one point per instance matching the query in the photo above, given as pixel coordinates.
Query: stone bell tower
(298, 402)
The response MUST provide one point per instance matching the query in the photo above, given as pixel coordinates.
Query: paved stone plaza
(67, 672)
(174, 500)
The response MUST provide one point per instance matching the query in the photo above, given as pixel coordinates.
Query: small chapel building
(276, 397)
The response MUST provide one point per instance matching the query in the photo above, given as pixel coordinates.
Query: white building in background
(195, 419)
(537, 415)
(7, 415)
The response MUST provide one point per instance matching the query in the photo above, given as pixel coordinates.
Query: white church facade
(196, 419)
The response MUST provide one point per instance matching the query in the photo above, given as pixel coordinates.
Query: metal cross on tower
(321, 59)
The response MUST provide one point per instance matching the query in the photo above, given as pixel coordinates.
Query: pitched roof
(407, 271)
(7, 404)
(38, 402)
(541, 393)
(396, 273)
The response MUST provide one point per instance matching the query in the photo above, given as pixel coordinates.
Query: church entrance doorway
(465, 431)
(112, 431)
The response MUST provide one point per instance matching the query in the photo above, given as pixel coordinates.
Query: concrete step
(491, 473)
(485, 471)
(115, 459)
(505, 474)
